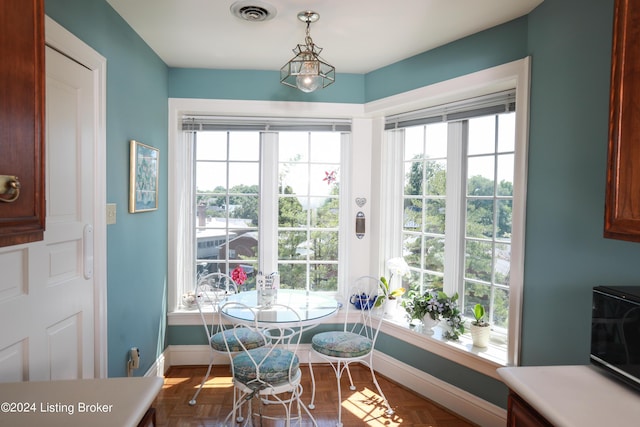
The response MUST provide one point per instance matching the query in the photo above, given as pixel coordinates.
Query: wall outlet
(111, 213)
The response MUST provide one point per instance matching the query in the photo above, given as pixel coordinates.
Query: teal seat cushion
(273, 365)
(341, 344)
(251, 339)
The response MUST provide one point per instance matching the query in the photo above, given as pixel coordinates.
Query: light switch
(111, 213)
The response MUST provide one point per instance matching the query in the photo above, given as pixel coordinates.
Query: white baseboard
(463, 403)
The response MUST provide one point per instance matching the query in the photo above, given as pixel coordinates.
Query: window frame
(366, 176)
(181, 222)
(513, 75)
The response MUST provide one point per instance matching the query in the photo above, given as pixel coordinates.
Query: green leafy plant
(392, 295)
(479, 315)
(437, 305)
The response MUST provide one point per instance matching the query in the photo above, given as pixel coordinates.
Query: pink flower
(238, 275)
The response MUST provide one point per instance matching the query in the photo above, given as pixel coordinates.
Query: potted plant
(393, 296)
(434, 306)
(480, 329)
(396, 266)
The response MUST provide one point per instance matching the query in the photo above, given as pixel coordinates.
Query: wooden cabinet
(521, 414)
(22, 90)
(622, 204)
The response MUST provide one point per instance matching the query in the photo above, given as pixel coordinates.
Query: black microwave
(615, 332)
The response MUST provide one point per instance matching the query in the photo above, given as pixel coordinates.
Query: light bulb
(308, 80)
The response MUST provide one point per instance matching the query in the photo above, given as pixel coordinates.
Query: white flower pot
(429, 323)
(391, 308)
(480, 335)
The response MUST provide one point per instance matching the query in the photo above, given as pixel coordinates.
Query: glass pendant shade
(307, 71)
(309, 79)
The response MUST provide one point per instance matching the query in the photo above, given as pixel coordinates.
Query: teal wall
(137, 108)
(566, 255)
(258, 85)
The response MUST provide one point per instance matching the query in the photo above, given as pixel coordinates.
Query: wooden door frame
(58, 38)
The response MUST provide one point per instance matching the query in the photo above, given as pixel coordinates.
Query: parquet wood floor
(361, 407)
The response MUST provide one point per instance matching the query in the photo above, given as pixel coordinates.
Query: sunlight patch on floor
(368, 406)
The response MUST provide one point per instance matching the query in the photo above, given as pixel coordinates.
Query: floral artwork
(330, 177)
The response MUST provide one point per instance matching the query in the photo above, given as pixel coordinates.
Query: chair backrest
(363, 295)
(209, 292)
(275, 363)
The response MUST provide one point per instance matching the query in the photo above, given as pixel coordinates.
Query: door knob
(9, 188)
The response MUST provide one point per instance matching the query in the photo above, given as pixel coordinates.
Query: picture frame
(622, 199)
(143, 180)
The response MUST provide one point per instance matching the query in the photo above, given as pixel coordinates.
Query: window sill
(483, 360)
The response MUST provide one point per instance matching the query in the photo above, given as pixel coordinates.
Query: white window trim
(366, 147)
(180, 189)
(512, 75)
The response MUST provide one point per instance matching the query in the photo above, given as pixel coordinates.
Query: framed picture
(143, 181)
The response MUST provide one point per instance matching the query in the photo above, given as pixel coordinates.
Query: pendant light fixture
(307, 71)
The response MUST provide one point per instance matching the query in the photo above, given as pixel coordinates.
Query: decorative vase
(480, 335)
(429, 323)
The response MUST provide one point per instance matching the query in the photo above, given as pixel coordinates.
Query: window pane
(414, 143)
(211, 176)
(324, 179)
(293, 245)
(325, 214)
(211, 146)
(294, 178)
(504, 219)
(293, 146)
(323, 277)
(413, 214)
(434, 254)
(245, 175)
(482, 135)
(505, 175)
(436, 141)
(323, 246)
(436, 178)
(476, 293)
(413, 178)
(502, 264)
(480, 218)
(435, 220)
(290, 212)
(412, 250)
(244, 146)
(481, 173)
(293, 276)
(325, 147)
(500, 310)
(478, 260)
(506, 132)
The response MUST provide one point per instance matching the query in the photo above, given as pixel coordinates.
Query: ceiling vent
(253, 10)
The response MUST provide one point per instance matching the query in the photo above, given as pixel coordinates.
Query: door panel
(47, 300)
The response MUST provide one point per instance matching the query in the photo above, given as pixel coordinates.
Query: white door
(47, 288)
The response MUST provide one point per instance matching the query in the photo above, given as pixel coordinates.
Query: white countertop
(106, 402)
(575, 396)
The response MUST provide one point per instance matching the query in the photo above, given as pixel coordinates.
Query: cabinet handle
(9, 186)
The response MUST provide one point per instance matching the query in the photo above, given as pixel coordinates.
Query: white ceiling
(357, 36)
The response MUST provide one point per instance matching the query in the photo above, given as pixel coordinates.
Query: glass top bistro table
(310, 306)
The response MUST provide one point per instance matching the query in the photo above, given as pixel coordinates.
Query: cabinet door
(521, 414)
(22, 119)
(622, 204)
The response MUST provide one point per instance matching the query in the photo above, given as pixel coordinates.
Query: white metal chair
(210, 291)
(269, 375)
(356, 340)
